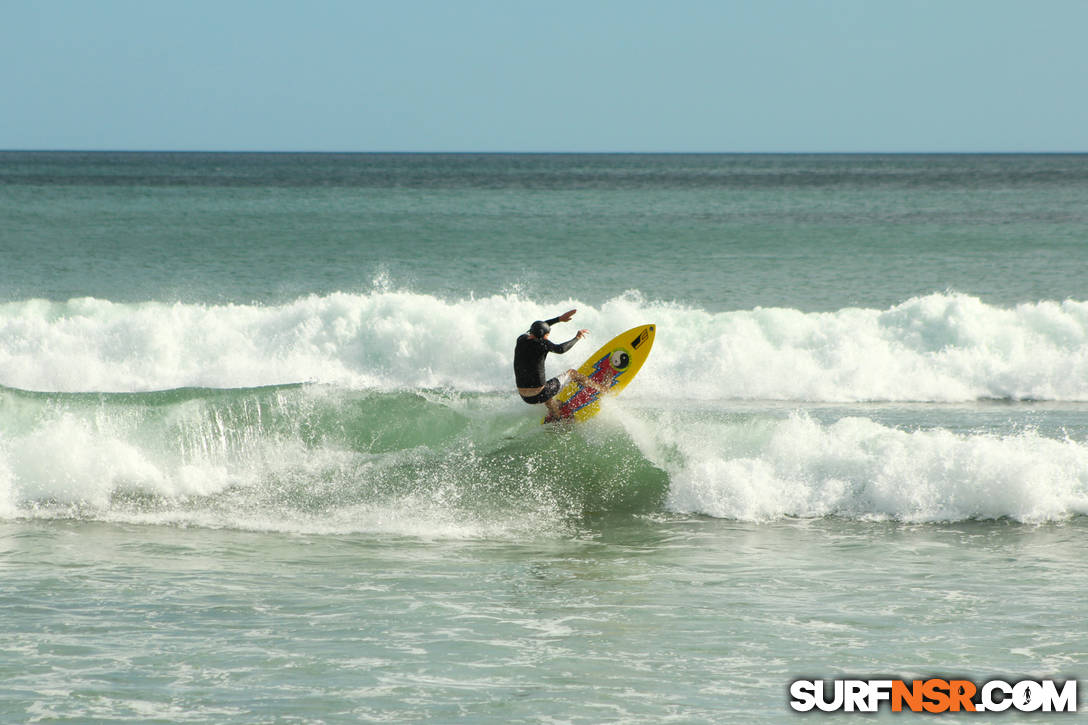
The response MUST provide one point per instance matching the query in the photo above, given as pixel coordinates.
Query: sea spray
(938, 348)
(326, 459)
(394, 411)
(314, 459)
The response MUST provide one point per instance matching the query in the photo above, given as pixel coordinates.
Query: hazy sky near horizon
(565, 75)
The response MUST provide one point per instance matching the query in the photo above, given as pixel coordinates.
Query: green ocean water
(261, 459)
(718, 232)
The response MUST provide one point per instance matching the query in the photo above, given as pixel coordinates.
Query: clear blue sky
(561, 75)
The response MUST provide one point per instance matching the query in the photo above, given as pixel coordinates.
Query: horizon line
(541, 153)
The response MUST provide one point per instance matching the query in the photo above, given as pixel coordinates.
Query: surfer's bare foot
(590, 382)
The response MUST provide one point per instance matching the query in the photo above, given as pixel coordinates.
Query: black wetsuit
(529, 354)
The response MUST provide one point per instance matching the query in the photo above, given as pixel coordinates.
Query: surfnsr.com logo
(934, 695)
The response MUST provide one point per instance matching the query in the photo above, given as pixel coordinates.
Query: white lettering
(989, 704)
(881, 690)
(803, 693)
(1064, 701)
(1027, 696)
(856, 696)
(993, 696)
(836, 700)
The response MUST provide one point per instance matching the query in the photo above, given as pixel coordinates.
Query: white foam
(72, 461)
(766, 469)
(942, 347)
(184, 465)
(183, 468)
(937, 348)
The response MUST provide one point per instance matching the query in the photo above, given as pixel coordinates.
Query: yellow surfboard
(613, 365)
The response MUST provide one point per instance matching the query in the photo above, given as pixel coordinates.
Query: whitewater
(400, 403)
(937, 348)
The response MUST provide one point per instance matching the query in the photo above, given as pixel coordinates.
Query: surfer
(529, 353)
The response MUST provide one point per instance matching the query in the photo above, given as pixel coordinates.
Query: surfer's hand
(565, 317)
(582, 333)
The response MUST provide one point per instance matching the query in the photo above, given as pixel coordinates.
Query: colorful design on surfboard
(612, 367)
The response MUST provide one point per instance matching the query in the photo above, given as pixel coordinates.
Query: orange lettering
(911, 695)
(936, 691)
(961, 693)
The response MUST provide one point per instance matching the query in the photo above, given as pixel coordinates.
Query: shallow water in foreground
(630, 619)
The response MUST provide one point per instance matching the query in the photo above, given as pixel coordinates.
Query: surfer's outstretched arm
(564, 346)
(565, 317)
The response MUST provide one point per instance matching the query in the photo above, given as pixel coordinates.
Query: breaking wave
(393, 412)
(328, 460)
(941, 348)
